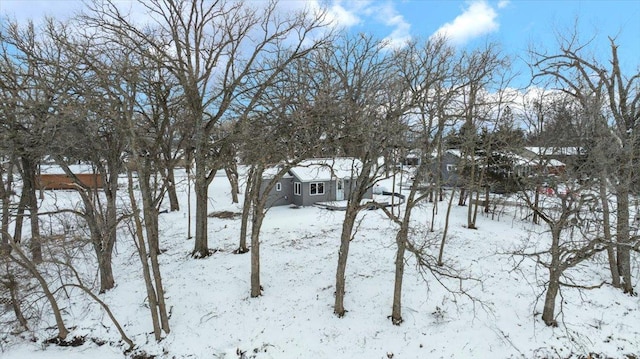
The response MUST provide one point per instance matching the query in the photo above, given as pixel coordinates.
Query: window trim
(315, 184)
(451, 168)
(297, 189)
(278, 187)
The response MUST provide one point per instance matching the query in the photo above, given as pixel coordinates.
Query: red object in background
(546, 190)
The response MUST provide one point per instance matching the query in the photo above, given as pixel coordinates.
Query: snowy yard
(213, 316)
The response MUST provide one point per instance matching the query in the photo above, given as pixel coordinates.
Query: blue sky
(514, 24)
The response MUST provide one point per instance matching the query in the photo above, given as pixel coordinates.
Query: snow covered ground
(213, 316)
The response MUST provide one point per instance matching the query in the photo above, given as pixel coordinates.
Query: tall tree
(358, 70)
(34, 86)
(92, 131)
(426, 95)
(285, 121)
(480, 70)
(612, 97)
(210, 48)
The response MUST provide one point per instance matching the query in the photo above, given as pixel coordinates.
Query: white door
(339, 190)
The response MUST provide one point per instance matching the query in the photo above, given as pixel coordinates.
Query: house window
(297, 188)
(278, 187)
(316, 189)
(451, 168)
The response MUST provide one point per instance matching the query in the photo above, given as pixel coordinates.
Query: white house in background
(314, 180)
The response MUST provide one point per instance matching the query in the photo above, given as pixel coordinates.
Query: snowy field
(213, 316)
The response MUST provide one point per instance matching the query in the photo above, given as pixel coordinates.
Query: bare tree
(612, 97)
(129, 85)
(480, 69)
(424, 72)
(91, 130)
(6, 190)
(288, 121)
(573, 240)
(356, 72)
(18, 256)
(14, 282)
(33, 87)
(210, 48)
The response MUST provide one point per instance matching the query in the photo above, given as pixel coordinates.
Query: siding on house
(282, 197)
(447, 167)
(308, 199)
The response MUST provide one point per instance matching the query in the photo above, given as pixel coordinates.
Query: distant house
(547, 160)
(572, 157)
(314, 180)
(447, 165)
(443, 168)
(52, 177)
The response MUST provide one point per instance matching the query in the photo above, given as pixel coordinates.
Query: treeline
(207, 86)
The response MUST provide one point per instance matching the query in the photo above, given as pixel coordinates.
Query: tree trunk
(188, 169)
(9, 282)
(622, 236)
(142, 254)
(101, 246)
(536, 201)
(151, 225)
(106, 270)
(17, 231)
(343, 254)
(29, 188)
(246, 211)
(401, 243)
(611, 251)
(548, 314)
(5, 194)
(463, 196)
(111, 228)
(232, 176)
(25, 263)
(201, 248)
(174, 204)
(470, 223)
(486, 199)
(256, 223)
(446, 228)
(474, 218)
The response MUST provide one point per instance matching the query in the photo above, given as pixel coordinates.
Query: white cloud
(343, 17)
(36, 10)
(401, 32)
(502, 4)
(338, 13)
(341, 14)
(350, 13)
(476, 20)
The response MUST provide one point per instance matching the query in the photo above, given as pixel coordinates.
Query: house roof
(325, 169)
(271, 172)
(535, 152)
(524, 158)
(57, 170)
(555, 151)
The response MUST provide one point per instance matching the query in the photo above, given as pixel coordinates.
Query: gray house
(448, 167)
(443, 168)
(315, 180)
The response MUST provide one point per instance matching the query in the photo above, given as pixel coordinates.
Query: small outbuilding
(52, 177)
